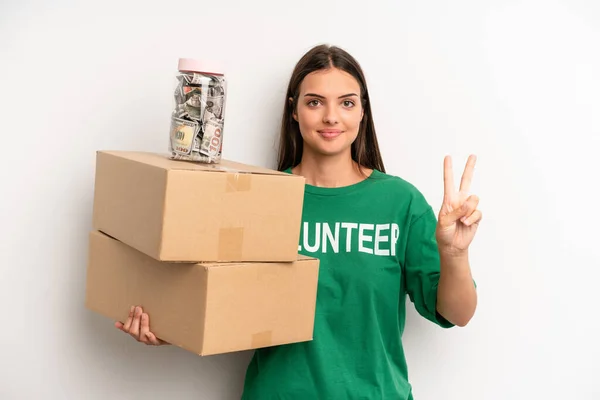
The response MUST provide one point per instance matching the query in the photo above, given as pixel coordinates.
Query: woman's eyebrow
(322, 97)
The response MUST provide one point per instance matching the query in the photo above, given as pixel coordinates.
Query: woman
(377, 239)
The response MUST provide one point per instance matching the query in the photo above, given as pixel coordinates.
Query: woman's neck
(330, 171)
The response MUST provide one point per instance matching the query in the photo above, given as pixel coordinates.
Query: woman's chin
(331, 149)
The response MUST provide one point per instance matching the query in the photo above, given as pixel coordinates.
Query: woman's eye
(348, 103)
(313, 103)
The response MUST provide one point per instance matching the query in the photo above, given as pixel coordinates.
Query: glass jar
(198, 114)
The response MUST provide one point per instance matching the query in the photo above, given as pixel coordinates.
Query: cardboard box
(207, 308)
(185, 211)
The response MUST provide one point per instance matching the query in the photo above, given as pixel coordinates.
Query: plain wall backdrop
(515, 82)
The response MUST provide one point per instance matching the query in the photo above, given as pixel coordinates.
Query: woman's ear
(291, 100)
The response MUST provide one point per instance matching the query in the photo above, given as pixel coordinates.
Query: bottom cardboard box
(206, 308)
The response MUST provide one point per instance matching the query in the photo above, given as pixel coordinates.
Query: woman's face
(329, 112)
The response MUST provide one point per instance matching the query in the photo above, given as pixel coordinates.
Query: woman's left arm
(456, 295)
(457, 223)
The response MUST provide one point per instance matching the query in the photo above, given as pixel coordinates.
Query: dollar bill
(179, 96)
(214, 105)
(212, 138)
(197, 143)
(182, 136)
(180, 112)
(197, 157)
(192, 103)
(199, 79)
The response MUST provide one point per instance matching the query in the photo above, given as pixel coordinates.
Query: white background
(515, 82)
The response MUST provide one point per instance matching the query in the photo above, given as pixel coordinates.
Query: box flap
(162, 160)
(208, 265)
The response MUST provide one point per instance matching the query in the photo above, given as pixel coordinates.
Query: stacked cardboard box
(210, 251)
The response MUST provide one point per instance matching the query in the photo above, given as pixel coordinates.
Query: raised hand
(459, 217)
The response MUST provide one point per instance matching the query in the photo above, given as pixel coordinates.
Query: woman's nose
(330, 116)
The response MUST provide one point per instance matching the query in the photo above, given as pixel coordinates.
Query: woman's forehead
(333, 82)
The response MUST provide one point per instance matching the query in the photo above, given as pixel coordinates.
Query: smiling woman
(328, 112)
(377, 239)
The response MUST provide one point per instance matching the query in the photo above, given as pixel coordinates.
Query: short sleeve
(422, 267)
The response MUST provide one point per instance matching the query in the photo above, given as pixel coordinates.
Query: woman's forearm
(456, 296)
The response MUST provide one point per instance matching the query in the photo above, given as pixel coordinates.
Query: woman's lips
(330, 133)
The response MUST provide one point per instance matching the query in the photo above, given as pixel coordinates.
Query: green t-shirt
(376, 244)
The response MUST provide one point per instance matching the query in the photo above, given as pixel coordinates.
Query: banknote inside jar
(197, 119)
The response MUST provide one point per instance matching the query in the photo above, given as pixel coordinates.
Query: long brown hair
(365, 149)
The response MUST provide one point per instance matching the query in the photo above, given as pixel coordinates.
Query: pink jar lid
(193, 65)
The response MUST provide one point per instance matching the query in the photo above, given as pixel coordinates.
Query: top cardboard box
(191, 212)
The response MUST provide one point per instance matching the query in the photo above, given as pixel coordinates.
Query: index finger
(448, 177)
(127, 325)
(465, 183)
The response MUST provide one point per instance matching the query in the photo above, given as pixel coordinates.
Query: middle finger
(465, 183)
(135, 325)
(144, 328)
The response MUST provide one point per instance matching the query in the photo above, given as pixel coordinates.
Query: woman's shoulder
(401, 190)
(396, 183)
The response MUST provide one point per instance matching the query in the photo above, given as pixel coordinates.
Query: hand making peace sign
(459, 217)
